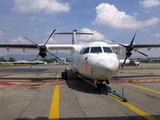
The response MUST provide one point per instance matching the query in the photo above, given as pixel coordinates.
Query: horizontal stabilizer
(74, 33)
(71, 33)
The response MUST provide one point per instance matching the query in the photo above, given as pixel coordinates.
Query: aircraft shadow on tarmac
(76, 83)
(94, 118)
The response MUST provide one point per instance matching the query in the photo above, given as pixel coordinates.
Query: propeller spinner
(129, 49)
(42, 48)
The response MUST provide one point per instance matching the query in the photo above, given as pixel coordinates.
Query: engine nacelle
(43, 55)
(121, 51)
(128, 54)
(71, 69)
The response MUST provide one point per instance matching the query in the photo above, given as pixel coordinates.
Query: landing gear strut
(64, 75)
(100, 84)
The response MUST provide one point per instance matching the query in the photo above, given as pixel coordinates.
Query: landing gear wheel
(99, 85)
(107, 81)
(62, 74)
(65, 75)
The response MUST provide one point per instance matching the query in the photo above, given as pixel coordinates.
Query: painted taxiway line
(143, 88)
(54, 110)
(130, 106)
(133, 108)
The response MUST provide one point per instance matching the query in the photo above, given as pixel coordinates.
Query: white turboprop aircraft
(95, 60)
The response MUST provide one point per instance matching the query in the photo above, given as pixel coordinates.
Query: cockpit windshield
(86, 50)
(107, 50)
(96, 50)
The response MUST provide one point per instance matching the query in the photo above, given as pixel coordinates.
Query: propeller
(129, 49)
(42, 48)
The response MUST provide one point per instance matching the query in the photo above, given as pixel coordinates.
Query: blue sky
(115, 20)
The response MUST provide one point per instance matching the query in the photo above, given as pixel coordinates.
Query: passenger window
(81, 51)
(86, 51)
(96, 50)
(107, 50)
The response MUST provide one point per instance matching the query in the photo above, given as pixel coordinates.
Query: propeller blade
(34, 61)
(54, 55)
(119, 43)
(124, 62)
(31, 41)
(50, 36)
(141, 53)
(133, 38)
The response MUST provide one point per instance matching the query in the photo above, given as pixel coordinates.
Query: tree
(11, 59)
(2, 59)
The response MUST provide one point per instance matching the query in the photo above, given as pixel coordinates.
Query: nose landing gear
(99, 84)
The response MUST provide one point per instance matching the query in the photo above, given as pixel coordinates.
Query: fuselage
(95, 60)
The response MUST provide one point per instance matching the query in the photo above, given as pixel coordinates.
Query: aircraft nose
(106, 67)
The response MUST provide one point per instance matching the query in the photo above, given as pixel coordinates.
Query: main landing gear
(64, 75)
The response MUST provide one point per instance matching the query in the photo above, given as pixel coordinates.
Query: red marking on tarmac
(131, 81)
(5, 75)
(36, 84)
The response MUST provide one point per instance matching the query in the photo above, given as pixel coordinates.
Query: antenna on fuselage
(74, 33)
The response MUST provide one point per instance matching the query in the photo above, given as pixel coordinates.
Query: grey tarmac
(27, 94)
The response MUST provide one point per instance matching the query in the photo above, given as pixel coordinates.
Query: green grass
(13, 65)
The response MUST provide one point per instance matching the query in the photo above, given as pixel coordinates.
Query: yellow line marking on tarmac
(54, 110)
(141, 80)
(130, 106)
(143, 88)
(134, 80)
(57, 77)
(135, 109)
(149, 80)
(157, 80)
(126, 81)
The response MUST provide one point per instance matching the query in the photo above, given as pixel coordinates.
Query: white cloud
(108, 41)
(144, 30)
(35, 36)
(19, 40)
(36, 29)
(82, 43)
(156, 35)
(1, 33)
(43, 19)
(96, 36)
(33, 18)
(35, 6)
(149, 3)
(109, 16)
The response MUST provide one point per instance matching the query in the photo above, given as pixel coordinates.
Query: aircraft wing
(120, 50)
(63, 47)
(138, 46)
(19, 46)
(35, 47)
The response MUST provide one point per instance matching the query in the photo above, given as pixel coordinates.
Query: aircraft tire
(65, 75)
(107, 81)
(62, 74)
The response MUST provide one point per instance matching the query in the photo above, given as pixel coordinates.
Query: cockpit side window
(86, 51)
(96, 50)
(107, 50)
(82, 50)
